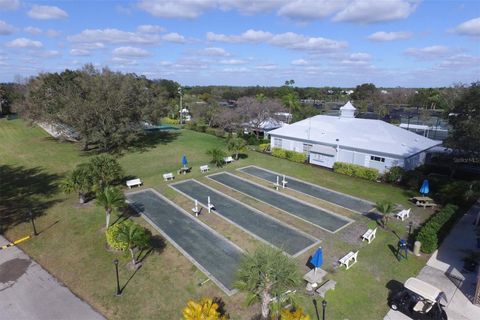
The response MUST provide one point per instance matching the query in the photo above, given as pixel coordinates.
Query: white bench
(347, 260)
(404, 214)
(369, 235)
(134, 183)
(168, 176)
(228, 159)
(204, 168)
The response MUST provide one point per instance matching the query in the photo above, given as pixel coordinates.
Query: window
(306, 148)
(375, 158)
(277, 142)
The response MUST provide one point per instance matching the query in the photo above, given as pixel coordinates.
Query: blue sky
(343, 43)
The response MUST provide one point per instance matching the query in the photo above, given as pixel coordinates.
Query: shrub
(279, 153)
(112, 233)
(394, 175)
(296, 156)
(354, 170)
(167, 120)
(263, 147)
(217, 156)
(211, 131)
(436, 228)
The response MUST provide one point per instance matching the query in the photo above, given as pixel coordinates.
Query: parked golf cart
(419, 300)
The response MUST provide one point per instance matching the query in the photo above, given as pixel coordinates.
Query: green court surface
(341, 199)
(252, 221)
(312, 214)
(212, 253)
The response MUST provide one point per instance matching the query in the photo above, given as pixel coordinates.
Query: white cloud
(310, 9)
(389, 36)
(287, 40)
(357, 59)
(130, 52)
(460, 61)
(299, 62)
(427, 52)
(52, 33)
(214, 51)
(248, 36)
(50, 54)
(232, 61)
(113, 36)
(174, 37)
(235, 70)
(6, 5)
(368, 11)
(79, 52)
(124, 61)
(266, 67)
(33, 30)
(24, 43)
(469, 28)
(47, 13)
(5, 28)
(176, 8)
(148, 28)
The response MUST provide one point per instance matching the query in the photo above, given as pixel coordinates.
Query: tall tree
(465, 121)
(111, 199)
(264, 274)
(104, 171)
(255, 113)
(291, 102)
(236, 145)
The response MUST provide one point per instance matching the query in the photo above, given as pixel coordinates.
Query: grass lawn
(72, 246)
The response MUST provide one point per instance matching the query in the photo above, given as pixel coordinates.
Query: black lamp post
(32, 219)
(324, 307)
(119, 292)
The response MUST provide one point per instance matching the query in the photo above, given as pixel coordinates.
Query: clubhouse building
(344, 138)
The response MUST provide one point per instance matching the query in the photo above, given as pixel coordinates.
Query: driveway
(27, 291)
(446, 264)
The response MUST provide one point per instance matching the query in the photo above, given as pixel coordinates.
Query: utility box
(416, 248)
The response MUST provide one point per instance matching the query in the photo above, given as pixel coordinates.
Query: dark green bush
(394, 175)
(354, 170)
(436, 228)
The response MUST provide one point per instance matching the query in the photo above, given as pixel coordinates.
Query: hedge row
(263, 147)
(289, 155)
(435, 228)
(354, 170)
(167, 120)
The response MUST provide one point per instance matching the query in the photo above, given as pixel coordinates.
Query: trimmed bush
(394, 175)
(354, 170)
(112, 233)
(279, 153)
(436, 228)
(263, 147)
(296, 156)
(167, 120)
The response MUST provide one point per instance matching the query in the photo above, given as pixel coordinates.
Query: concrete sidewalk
(446, 264)
(28, 292)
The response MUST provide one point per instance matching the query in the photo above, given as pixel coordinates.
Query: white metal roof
(330, 151)
(424, 289)
(364, 134)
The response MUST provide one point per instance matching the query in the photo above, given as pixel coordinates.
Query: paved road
(28, 292)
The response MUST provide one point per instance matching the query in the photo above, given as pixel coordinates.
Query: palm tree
(205, 309)
(80, 181)
(385, 208)
(111, 199)
(134, 236)
(105, 171)
(265, 274)
(217, 156)
(236, 145)
(290, 101)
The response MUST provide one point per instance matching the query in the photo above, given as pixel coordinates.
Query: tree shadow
(24, 192)
(394, 251)
(150, 140)
(242, 156)
(221, 307)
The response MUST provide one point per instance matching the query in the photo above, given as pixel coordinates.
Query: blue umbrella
(317, 259)
(184, 160)
(425, 187)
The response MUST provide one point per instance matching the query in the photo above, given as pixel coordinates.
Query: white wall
(354, 157)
